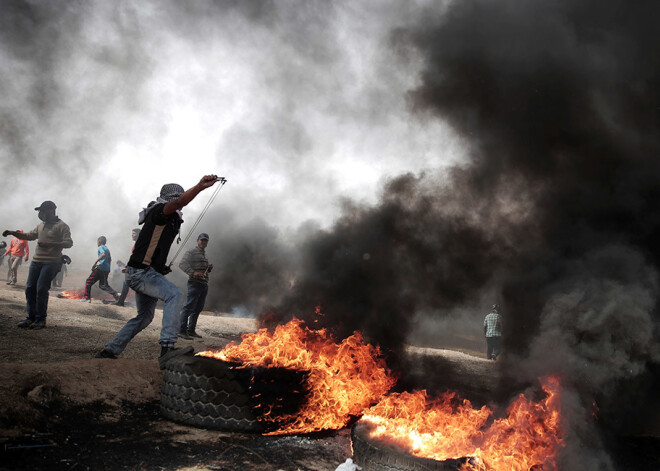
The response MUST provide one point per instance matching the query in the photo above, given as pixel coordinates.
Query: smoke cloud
(398, 165)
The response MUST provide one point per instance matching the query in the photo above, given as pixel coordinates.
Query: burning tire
(209, 393)
(376, 455)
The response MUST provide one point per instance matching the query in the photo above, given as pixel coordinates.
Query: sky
(402, 165)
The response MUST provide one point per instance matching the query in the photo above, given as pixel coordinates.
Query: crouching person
(147, 267)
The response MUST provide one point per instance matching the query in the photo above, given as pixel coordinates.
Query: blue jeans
(149, 287)
(124, 293)
(40, 276)
(194, 305)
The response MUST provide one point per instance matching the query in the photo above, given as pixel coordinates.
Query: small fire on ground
(79, 294)
(528, 437)
(344, 378)
(72, 294)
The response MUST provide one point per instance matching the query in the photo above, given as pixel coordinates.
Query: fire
(344, 378)
(72, 294)
(448, 427)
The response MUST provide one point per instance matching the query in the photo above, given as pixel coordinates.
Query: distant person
(100, 271)
(493, 333)
(52, 235)
(124, 290)
(18, 249)
(118, 273)
(59, 278)
(147, 268)
(3, 246)
(195, 264)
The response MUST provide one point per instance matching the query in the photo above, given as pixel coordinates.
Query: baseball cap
(203, 236)
(46, 205)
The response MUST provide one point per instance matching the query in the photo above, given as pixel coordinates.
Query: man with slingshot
(147, 267)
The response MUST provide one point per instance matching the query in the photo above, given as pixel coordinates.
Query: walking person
(52, 235)
(124, 289)
(195, 264)
(18, 249)
(147, 268)
(100, 271)
(3, 246)
(493, 333)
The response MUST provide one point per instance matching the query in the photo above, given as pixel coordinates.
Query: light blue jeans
(149, 287)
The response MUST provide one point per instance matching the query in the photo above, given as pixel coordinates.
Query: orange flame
(448, 427)
(72, 294)
(344, 378)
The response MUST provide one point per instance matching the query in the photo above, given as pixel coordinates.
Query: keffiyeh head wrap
(169, 192)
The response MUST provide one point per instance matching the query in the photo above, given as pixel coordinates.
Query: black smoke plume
(557, 208)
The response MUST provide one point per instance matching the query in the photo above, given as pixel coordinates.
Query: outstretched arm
(206, 182)
(18, 235)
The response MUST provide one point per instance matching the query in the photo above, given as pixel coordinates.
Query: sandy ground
(60, 408)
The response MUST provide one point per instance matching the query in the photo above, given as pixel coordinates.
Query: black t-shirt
(155, 239)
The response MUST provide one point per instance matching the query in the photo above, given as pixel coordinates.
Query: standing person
(59, 278)
(52, 235)
(493, 333)
(147, 268)
(195, 264)
(124, 289)
(3, 246)
(100, 271)
(17, 250)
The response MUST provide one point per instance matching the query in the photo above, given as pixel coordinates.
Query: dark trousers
(493, 347)
(194, 304)
(40, 276)
(102, 277)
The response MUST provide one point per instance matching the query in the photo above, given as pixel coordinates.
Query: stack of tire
(373, 454)
(214, 394)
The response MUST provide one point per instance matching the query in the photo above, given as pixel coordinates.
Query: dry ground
(60, 408)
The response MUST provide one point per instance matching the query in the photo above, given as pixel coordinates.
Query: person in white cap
(147, 267)
(52, 235)
(195, 264)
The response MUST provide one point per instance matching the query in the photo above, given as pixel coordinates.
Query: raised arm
(190, 194)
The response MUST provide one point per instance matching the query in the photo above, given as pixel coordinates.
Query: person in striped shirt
(195, 264)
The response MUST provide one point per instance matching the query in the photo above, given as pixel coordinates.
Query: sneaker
(184, 335)
(106, 354)
(38, 325)
(118, 303)
(25, 324)
(85, 300)
(192, 333)
(167, 353)
(9, 282)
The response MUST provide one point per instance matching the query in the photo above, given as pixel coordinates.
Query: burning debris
(448, 427)
(79, 294)
(343, 378)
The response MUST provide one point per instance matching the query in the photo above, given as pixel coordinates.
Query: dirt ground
(60, 408)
